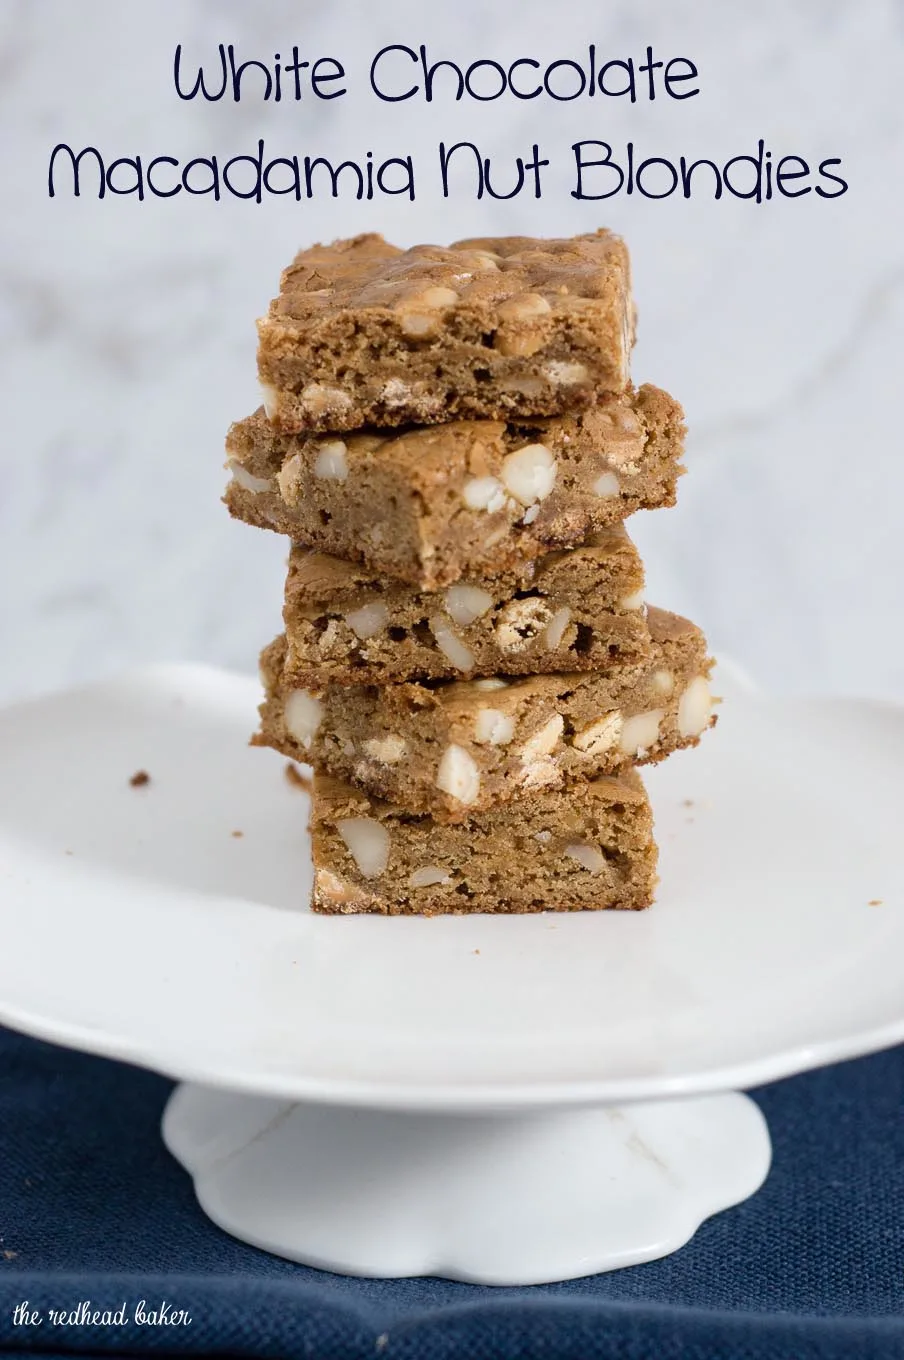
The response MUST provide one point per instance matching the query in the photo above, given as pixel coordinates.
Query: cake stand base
(495, 1199)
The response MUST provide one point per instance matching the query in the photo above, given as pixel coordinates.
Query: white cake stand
(500, 1100)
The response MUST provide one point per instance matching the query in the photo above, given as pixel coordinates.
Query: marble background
(128, 342)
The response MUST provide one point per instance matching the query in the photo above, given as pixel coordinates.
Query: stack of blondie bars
(451, 441)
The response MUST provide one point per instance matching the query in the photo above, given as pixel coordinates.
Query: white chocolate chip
(522, 343)
(338, 890)
(565, 374)
(451, 645)
(484, 259)
(530, 514)
(555, 629)
(607, 485)
(332, 461)
(369, 620)
(542, 773)
(663, 682)
(529, 473)
(458, 775)
(600, 735)
(396, 393)
(367, 842)
(436, 297)
(484, 493)
(628, 421)
(493, 727)
(545, 741)
(543, 837)
(490, 683)
(633, 601)
(641, 732)
(320, 400)
(520, 622)
(522, 306)
(466, 603)
(428, 877)
(589, 857)
(288, 479)
(303, 714)
(526, 386)
(419, 325)
(420, 313)
(270, 398)
(387, 750)
(694, 707)
(246, 480)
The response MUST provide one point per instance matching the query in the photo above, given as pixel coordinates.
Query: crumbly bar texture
(585, 851)
(433, 505)
(451, 748)
(365, 333)
(572, 609)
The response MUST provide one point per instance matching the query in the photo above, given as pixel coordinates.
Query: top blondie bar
(365, 333)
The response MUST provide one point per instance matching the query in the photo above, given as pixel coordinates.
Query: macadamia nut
(246, 480)
(451, 645)
(321, 400)
(606, 485)
(599, 736)
(564, 374)
(303, 715)
(484, 493)
(369, 620)
(492, 727)
(555, 629)
(641, 732)
(544, 741)
(529, 473)
(367, 842)
(694, 708)
(332, 461)
(429, 876)
(465, 603)
(270, 398)
(458, 775)
(388, 750)
(589, 857)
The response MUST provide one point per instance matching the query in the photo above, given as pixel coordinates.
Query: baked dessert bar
(586, 850)
(365, 333)
(572, 609)
(454, 747)
(435, 504)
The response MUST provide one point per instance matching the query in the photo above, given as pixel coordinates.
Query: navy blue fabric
(93, 1208)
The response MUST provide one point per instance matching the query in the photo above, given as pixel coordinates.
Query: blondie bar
(575, 609)
(470, 498)
(365, 333)
(586, 850)
(450, 748)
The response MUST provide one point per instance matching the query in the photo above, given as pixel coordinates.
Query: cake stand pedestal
(504, 1199)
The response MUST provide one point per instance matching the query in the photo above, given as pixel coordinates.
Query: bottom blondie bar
(584, 850)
